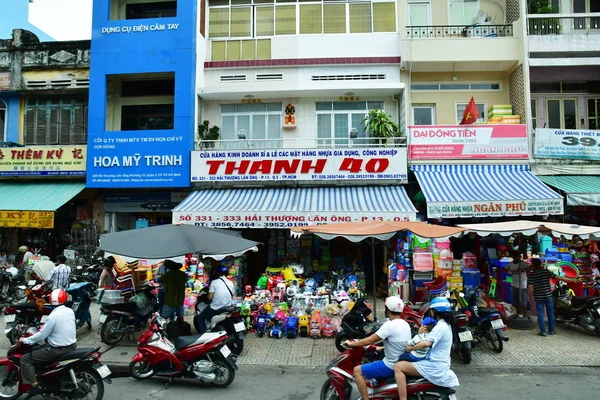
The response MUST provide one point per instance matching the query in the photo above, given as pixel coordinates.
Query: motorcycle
(575, 310)
(485, 323)
(206, 357)
(10, 281)
(82, 294)
(19, 317)
(75, 375)
(341, 385)
(82, 275)
(355, 324)
(116, 320)
(228, 319)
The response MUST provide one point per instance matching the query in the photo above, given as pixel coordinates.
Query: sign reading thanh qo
(567, 144)
(467, 142)
(300, 164)
(495, 208)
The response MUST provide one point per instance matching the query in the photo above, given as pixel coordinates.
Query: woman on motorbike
(436, 368)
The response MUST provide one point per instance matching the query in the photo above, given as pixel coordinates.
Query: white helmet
(23, 249)
(394, 304)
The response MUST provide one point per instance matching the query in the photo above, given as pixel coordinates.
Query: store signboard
(241, 219)
(567, 144)
(444, 142)
(142, 202)
(373, 164)
(27, 219)
(43, 160)
(495, 208)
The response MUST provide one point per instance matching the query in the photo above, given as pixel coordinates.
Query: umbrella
(166, 241)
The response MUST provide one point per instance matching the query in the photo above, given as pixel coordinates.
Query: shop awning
(456, 191)
(288, 207)
(581, 190)
(529, 228)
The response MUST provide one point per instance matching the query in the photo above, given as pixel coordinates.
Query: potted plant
(208, 135)
(381, 126)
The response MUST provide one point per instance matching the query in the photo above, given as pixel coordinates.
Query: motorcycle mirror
(79, 267)
(22, 287)
(461, 294)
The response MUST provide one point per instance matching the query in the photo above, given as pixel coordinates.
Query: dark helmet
(223, 269)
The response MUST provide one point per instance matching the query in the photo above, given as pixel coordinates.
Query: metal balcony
(274, 144)
(458, 31)
(563, 24)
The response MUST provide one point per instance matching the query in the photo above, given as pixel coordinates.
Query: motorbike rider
(59, 331)
(220, 294)
(395, 333)
(436, 368)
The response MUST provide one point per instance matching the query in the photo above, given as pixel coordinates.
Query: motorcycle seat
(184, 341)
(78, 353)
(578, 301)
(26, 306)
(486, 311)
(225, 310)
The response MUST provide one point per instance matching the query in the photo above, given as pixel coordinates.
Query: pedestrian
(106, 277)
(161, 288)
(519, 269)
(3, 259)
(174, 286)
(24, 267)
(540, 291)
(59, 276)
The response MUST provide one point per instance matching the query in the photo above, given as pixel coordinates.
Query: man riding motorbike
(395, 333)
(59, 331)
(220, 294)
(436, 368)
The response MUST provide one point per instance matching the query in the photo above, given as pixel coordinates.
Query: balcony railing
(458, 31)
(275, 144)
(563, 24)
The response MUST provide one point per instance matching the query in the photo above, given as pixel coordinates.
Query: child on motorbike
(418, 355)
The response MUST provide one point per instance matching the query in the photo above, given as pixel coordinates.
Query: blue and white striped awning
(485, 191)
(288, 207)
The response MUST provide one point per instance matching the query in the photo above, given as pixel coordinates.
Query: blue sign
(567, 144)
(142, 158)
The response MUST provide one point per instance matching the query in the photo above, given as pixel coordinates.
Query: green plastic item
(262, 282)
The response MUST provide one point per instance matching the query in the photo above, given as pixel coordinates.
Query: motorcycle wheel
(237, 345)
(303, 331)
(338, 343)
(16, 332)
(141, 370)
(328, 392)
(107, 335)
(88, 377)
(494, 339)
(466, 354)
(225, 373)
(11, 390)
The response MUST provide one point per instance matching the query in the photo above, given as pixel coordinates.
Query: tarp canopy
(381, 230)
(583, 190)
(529, 228)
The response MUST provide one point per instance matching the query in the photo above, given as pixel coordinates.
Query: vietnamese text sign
(266, 219)
(467, 142)
(558, 143)
(495, 208)
(43, 160)
(305, 164)
(27, 219)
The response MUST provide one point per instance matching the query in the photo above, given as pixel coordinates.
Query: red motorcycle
(75, 375)
(342, 386)
(206, 357)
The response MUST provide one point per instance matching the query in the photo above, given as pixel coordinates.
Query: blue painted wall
(14, 14)
(13, 115)
(135, 46)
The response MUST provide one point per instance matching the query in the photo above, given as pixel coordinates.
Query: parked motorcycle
(11, 286)
(78, 374)
(82, 294)
(228, 319)
(356, 324)
(206, 358)
(32, 312)
(485, 323)
(117, 320)
(576, 310)
(341, 385)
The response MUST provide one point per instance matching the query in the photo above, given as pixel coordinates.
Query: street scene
(299, 199)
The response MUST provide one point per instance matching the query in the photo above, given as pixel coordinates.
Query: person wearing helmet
(25, 268)
(394, 333)
(59, 332)
(436, 367)
(220, 294)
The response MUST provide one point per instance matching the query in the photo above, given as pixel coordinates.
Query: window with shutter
(65, 125)
(41, 125)
(55, 120)
(79, 125)
(54, 126)
(29, 131)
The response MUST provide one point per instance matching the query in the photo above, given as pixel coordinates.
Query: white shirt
(395, 334)
(60, 276)
(222, 297)
(59, 329)
(26, 257)
(519, 279)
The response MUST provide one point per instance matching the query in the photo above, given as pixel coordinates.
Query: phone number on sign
(226, 224)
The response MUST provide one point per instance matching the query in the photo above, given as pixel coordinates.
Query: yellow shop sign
(27, 219)
(43, 161)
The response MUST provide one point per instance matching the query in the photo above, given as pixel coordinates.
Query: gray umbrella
(166, 241)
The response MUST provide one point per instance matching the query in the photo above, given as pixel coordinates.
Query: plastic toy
(246, 316)
(262, 282)
(291, 327)
(327, 324)
(315, 324)
(278, 326)
(276, 332)
(249, 295)
(277, 293)
(303, 323)
(262, 322)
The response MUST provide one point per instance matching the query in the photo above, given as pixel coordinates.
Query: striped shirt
(60, 276)
(540, 280)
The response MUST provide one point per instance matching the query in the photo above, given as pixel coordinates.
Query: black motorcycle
(82, 294)
(576, 310)
(355, 324)
(11, 287)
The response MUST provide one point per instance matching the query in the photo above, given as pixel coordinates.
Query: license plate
(465, 336)
(32, 282)
(9, 318)
(102, 318)
(225, 351)
(104, 371)
(239, 327)
(44, 319)
(497, 324)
